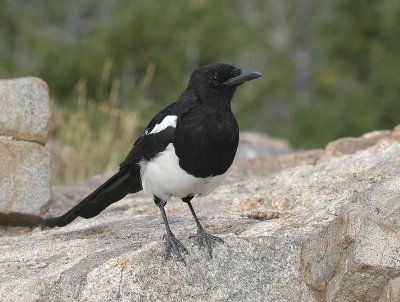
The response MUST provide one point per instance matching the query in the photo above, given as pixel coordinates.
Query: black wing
(149, 144)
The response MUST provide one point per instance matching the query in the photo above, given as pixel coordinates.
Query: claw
(174, 246)
(205, 239)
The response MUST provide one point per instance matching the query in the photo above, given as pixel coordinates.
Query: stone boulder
(25, 109)
(25, 173)
(256, 145)
(318, 228)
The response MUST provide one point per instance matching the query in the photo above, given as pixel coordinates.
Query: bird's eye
(215, 80)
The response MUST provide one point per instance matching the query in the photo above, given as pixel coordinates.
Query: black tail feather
(126, 180)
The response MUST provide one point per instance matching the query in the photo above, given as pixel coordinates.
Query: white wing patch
(168, 121)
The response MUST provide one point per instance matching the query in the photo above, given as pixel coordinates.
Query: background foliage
(332, 67)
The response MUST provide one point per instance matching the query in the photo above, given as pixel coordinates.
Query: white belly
(164, 178)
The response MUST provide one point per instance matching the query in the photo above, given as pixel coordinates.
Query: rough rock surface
(255, 145)
(25, 173)
(328, 230)
(24, 109)
(25, 178)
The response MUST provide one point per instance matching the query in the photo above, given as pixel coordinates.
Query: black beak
(244, 76)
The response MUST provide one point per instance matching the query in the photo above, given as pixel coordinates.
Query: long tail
(126, 180)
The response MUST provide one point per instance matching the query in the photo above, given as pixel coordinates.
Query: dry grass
(89, 137)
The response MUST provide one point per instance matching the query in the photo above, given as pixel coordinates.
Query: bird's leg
(172, 244)
(202, 237)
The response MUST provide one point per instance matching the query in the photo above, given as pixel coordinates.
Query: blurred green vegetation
(332, 67)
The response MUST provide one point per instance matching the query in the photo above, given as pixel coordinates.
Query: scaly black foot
(205, 239)
(174, 246)
(202, 237)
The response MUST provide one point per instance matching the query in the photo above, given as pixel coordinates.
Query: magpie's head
(217, 82)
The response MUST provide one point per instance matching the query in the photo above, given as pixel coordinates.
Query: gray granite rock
(25, 174)
(25, 178)
(350, 145)
(323, 231)
(256, 145)
(24, 109)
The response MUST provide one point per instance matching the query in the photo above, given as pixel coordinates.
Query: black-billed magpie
(185, 151)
